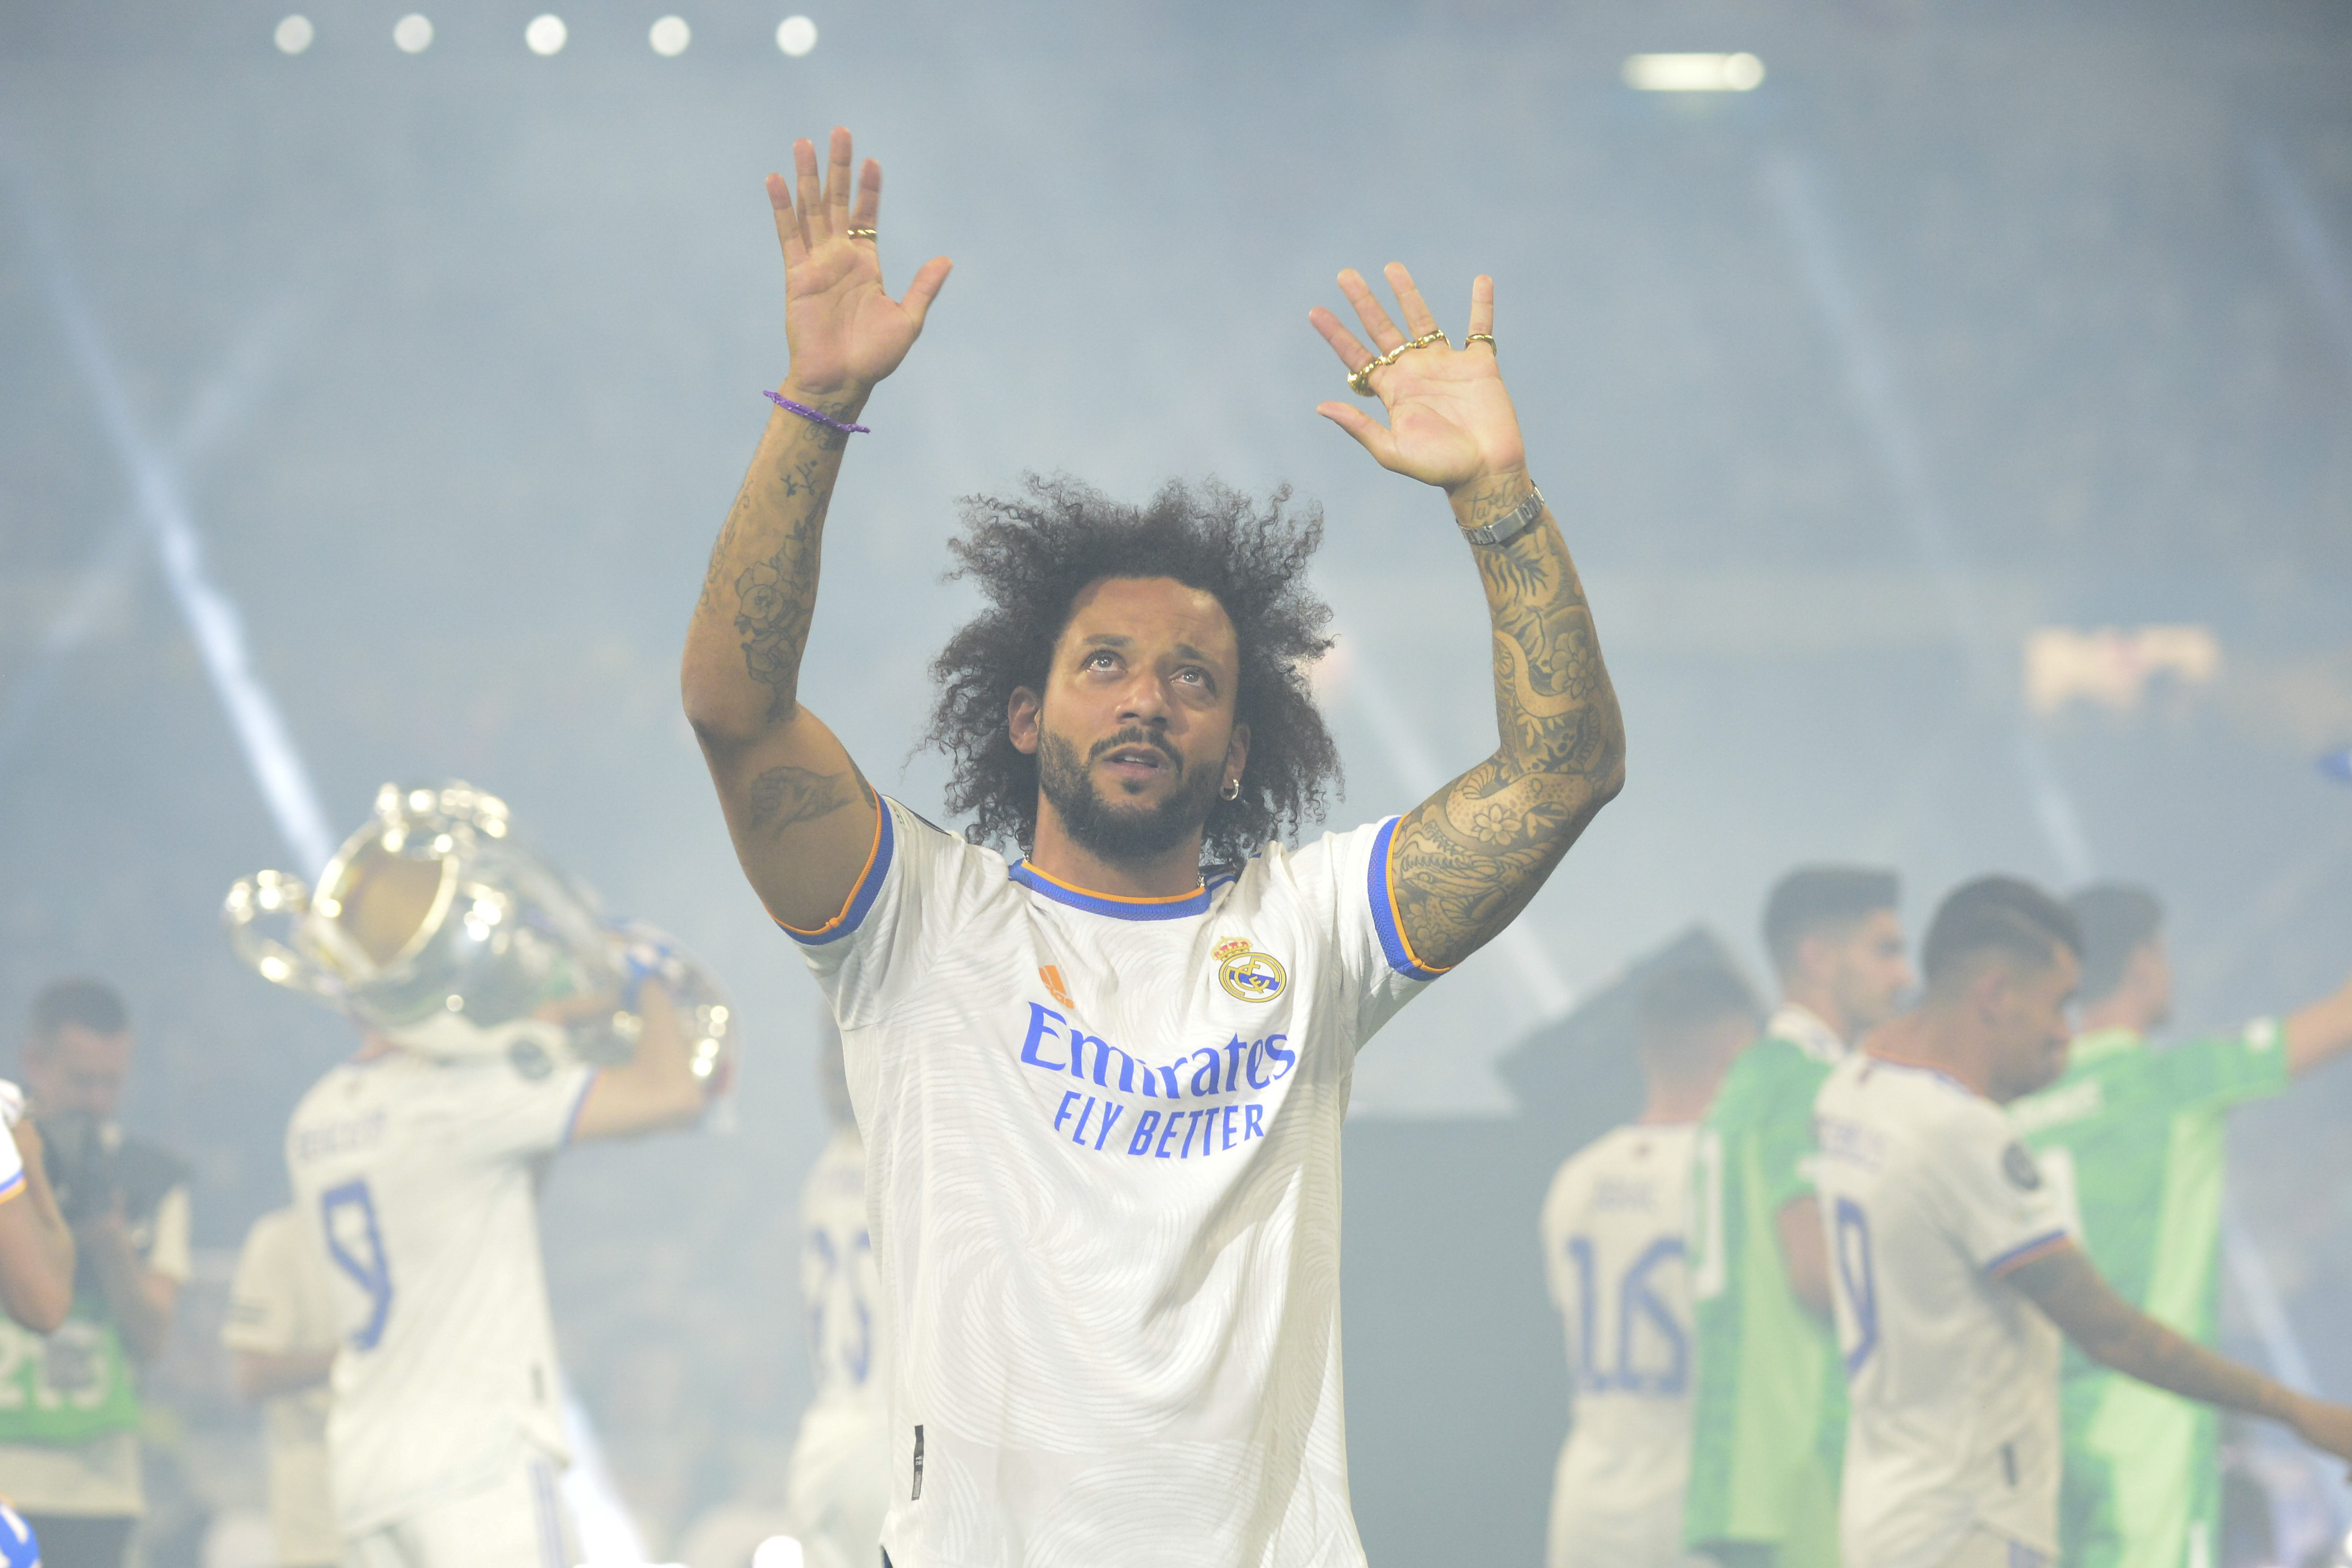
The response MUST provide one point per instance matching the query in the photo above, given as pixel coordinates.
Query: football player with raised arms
(1101, 1085)
(1614, 1256)
(1955, 1270)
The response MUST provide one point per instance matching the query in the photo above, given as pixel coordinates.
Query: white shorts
(517, 1521)
(1989, 1549)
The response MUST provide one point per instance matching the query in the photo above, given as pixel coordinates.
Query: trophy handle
(644, 952)
(260, 915)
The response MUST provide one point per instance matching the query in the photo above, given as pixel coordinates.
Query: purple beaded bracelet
(805, 412)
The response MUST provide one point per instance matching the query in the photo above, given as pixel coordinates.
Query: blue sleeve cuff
(579, 1104)
(862, 894)
(1381, 889)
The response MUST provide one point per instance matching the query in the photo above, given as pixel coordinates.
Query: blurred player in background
(1946, 1238)
(280, 1329)
(37, 1269)
(1612, 1246)
(1769, 1419)
(841, 1466)
(37, 1245)
(70, 1412)
(2137, 1138)
(416, 1176)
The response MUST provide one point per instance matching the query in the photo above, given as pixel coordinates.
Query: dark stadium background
(1971, 320)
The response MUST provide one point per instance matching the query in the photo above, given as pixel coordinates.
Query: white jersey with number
(1102, 1140)
(278, 1305)
(840, 1483)
(1613, 1250)
(1930, 1202)
(417, 1180)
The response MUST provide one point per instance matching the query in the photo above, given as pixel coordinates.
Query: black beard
(1104, 830)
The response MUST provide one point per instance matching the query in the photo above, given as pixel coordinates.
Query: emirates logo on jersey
(1247, 975)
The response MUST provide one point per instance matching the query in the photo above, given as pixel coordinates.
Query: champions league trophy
(433, 926)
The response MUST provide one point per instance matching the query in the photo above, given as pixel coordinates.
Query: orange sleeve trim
(873, 851)
(2002, 1268)
(1396, 916)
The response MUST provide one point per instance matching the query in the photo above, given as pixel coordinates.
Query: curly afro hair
(1031, 553)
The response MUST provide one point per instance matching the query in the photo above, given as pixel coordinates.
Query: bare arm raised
(802, 816)
(1468, 860)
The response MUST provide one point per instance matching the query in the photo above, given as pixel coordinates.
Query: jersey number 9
(1857, 1281)
(355, 1242)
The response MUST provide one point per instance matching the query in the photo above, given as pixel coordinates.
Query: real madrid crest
(1248, 974)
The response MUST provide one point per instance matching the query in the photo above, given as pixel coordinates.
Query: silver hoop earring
(1233, 790)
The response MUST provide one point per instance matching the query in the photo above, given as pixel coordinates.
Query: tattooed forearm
(1469, 860)
(752, 624)
(775, 596)
(787, 796)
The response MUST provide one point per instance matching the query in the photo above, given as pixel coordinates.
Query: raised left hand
(1450, 422)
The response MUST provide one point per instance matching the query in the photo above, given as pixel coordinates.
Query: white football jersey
(12, 1159)
(279, 1304)
(1929, 1202)
(1102, 1154)
(419, 1181)
(840, 1484)
(1613, 1227)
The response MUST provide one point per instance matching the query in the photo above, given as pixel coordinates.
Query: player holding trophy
(504, 1021)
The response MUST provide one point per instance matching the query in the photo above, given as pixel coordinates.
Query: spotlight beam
(218, 406)
(1895, 440)
(163, 512)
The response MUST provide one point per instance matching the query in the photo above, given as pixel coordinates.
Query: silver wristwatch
(1524, 516)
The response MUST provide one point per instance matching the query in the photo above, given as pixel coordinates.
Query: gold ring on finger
(1360, 382)
(862, 234)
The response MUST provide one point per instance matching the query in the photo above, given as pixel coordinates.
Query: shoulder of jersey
(920, 818)
(1617, 1144)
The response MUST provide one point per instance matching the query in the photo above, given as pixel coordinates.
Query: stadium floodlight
(796, 36)
(294, 34)
(670, 36)
(1693, 73)
(546, 34)
(412, 32)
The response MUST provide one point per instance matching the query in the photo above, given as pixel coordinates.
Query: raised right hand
(845, 332)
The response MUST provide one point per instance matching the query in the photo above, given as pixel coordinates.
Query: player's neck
(1928, 1039)
(1063, 858)
(1818, 1001)
(1670, 1102)
(2117, 1011)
